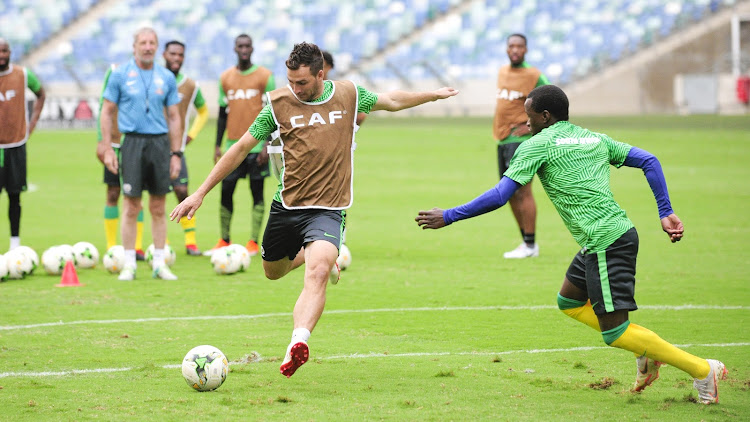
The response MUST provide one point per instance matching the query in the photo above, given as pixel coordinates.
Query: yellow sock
(111, 225)
(644, 342)
(139, 232)
(188, 226)
(580, 311)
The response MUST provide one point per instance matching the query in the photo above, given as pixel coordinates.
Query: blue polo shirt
(141, 96)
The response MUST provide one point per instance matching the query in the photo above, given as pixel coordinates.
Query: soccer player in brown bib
(314, 122)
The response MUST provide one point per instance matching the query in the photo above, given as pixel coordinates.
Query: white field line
(361, 356)
(349, 311)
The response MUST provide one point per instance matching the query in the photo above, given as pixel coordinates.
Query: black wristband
(177, 153)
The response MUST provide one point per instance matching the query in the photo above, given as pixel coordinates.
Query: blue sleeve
(112, 90)
(651, 167)
(173, 96)
(484, 203)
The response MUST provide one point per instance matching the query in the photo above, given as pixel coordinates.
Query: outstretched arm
(651, 167)
(228, 162)
(400, 100)
(484, 203)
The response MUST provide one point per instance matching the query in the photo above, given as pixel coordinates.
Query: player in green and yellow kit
(190, 95)
(573, 165)
(241, 89)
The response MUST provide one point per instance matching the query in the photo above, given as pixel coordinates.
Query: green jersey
(264, 124)
(573, 166)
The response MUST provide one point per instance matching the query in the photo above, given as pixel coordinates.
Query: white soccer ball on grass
(242, 254)
(3, 268)
(67, 253)
(114, 259)
(32, 256)
(86, 255)
(226, 261)
(205, 368)
(19, 264)
(52, 261)
(345, 257)
(170, 256)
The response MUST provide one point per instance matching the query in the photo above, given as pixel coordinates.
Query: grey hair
(143, 30)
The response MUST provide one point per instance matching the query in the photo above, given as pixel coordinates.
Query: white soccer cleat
(163, 272)
(335, 274)
(296, 356)
(647, 372)
(127, 273)
(708, 388)
(523, 251)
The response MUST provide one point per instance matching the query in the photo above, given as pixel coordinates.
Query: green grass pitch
(424, 325)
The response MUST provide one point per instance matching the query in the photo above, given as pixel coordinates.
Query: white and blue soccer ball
(33, 256)
(86, 255)
(241, 253)
(114, 259)
(53, 261)
(205, 368)
(170, 256)
(345, 257)
(225, 261)
(19, 264)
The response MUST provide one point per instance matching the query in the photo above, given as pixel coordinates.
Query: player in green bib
(573, 165)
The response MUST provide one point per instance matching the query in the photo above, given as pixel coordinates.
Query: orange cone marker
(69, 276)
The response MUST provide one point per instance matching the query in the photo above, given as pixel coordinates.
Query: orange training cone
(69, 276)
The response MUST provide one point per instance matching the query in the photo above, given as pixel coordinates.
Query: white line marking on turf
(351, 311)
(361, 356)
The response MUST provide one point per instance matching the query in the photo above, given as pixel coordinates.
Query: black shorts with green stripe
(287, 231)
(182, 179)
(608, 277)
(112, 179)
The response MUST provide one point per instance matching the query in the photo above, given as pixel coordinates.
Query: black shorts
(112, 179)
(248, 167)
(144, 164)
(505, 152)
(13, 169)
(608, 277)
(289, 230)
(182, 179)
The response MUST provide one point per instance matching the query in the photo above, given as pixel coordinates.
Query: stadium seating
(567, 38)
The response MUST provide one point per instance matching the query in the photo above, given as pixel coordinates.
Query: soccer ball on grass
(53, 261)
(205, 368)
(114, 259)
(86, 255)
(169, 254)
(226, 261)
(345, 258)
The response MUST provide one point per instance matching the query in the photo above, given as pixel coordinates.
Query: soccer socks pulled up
(644, 342)
(580, 311)
(139, 232)
(188, 227)
(257, 221)
(158, 259)
(111, 224)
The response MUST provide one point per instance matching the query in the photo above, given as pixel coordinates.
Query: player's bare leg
(320, 256)
(524, 210)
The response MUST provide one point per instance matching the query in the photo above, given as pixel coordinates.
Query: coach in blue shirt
(138, 92)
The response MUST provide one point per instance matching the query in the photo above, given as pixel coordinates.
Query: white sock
(15, 241)
(300, 334)
(130, 258)
(158, 258)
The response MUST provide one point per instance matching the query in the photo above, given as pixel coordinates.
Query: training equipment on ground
(19, 264)
(86, 255)
(69, 276)
(205, 368)
(3, 268)
(67, 253)
(225, 261)
(169, 254)
(32, 256)
(114, 259)
(53, 261)
(242, 253)
(345, 257)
